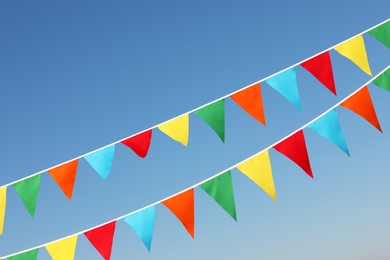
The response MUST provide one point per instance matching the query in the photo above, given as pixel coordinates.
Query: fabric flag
(355, 50)
(65, 176)
(177, 129)
(182, 206)
(286, 84)
(30, 255)
(101, 238)
(63, 249)
(383, 80)
(320, 67)
(258, 169)
(294, 147)
(220, 189)
(143, 224)
(139, 143)
(382, 33)
(101, 160)
(251, 101)
(328, 126)
(28, 190)
(214, 116)
(361, 104)
(3, 202)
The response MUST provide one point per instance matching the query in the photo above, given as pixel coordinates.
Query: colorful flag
(63, 249)
(214, 116)
(3, 203)
(143, 224)
(382, 33)
(101, 160)
(65, 176)
(28, 190)
(101, 238)
(177, 129)
(30, 255)
(139, 143)
(383, 80)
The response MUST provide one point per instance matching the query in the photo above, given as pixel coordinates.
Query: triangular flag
(214, 116)
(28, 190)
(65, 176)
(143, 224)
(383, 80)
(320, 67)
(63, 249)
(139, 143)
(182, 206)
(101, 160)
(177, 129)
(382, 33)
(355, 50)
(328, 126)
(258, 169)
(361, 104)
(294, 147)
(30, 255)
(220, 189)
(250, 99)
(3, 203)
(286, 84)
(101, 238)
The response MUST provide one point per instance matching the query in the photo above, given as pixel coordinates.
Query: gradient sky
(77, 75)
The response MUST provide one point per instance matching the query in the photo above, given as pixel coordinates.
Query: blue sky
(75, 76)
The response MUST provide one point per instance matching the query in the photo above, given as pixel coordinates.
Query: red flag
(294, 147)
(182, 206)
(65, 176)
(101, 238)
(320, 67)
(361, 104)
(139, 143)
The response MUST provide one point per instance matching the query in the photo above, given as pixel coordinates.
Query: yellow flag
(3, 201)
(355, 50)
(259, 170)
(63, 249)
(177, 129)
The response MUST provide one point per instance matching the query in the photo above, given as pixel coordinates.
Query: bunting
(101, 238)
(63, 249)
(30, 255)
(65, 176)
(361, 104)
(355, 50)
(383, 80)
(28, 190)
(382, 33)
(139, 143)
(182, 206)
(177, 129)
(294, 147)
(3, 203)
(101, 160)
(214, 116)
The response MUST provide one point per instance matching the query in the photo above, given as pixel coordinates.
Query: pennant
(355, 50)
(361, 104)
(258, 169)
(286, 84)
(214, 116)
(382, 33)
(101, 238)
(3, 202)
(139, 143)
(101, 160)
(30, 255)
(251, 101)
(65, 176)
(182, 206)
(177, 129)
(143, 224)
(294, 147)
(220, 189)
(320, 67)
(383, 80)
(63, 249)
(28, 190)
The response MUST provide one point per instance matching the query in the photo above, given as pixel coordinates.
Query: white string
(210, 178)
(193, 110)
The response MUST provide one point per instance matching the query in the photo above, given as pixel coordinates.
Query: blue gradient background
(77, 75)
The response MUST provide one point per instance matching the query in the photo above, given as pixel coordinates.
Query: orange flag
(182, 206)
(361, 104)
(251, 101)
(65, 176)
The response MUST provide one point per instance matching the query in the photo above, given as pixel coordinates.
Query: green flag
(382, 33)
(30, 255)
(214, 116)
(383, 81)
(28, 191)
(221, 190)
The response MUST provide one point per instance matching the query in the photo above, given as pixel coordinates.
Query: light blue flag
(286, 84)
(101, 160)
(143, 224)
(328, 126)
